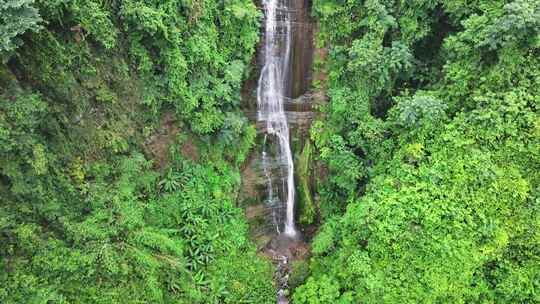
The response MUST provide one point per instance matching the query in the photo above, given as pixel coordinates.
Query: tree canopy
(432, 138)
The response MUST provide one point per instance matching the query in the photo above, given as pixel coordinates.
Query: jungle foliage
(432, 139)
(120, 141)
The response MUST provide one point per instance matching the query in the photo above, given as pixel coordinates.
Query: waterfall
(271, 93)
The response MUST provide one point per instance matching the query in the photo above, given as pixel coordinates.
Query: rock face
(301, 62)
(302, 47)
(297, 107)
(266, 217)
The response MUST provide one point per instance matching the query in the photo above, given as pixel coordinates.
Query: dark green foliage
(200, 68)
(299, 273)
(447, 207)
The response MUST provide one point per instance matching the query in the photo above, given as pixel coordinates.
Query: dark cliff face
(300, 73)
(302, 48)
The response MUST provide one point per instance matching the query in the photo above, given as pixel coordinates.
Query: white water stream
(271, 95)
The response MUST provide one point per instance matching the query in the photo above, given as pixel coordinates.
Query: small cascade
(271, 94)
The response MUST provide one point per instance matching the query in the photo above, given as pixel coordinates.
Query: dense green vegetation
(432, 138)
(120, 141)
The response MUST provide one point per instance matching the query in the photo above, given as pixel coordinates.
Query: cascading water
(271, 93)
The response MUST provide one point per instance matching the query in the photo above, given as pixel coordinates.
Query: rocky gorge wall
(299, 112)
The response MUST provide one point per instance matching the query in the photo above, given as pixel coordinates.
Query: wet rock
(255, 211)
(297, 100)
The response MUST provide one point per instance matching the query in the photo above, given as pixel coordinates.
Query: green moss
(306, 207)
